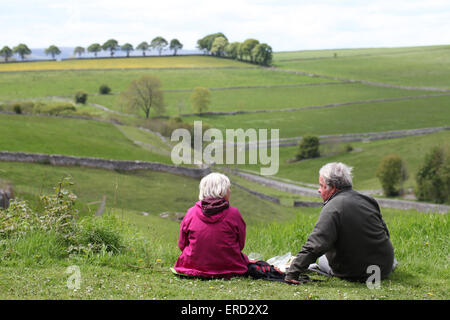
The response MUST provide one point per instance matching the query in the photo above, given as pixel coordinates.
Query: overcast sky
(284, 24)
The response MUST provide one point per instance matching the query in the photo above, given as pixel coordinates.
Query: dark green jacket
(351, 233)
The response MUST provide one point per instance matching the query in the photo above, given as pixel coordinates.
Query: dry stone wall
(121, 165)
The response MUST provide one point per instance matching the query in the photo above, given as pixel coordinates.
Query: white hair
(214, 185)
(337, 174)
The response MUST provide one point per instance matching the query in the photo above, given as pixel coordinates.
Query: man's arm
(320, 241)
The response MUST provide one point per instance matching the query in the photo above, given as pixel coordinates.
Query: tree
(206, 42)
(433, 177)
(240, 52)
(79, 51)
(127, 47)
(6, 53)
(159, 43)
(144, 94)
(80, 97)
(308, 148)
(144, 46)
(247, 47)
(53, 51)
(218, 46)
(22, 50)
(111, 45)
(104, 89)
(262, 54)
(200, 99)
(175, 45)
(392, 173)
(95, 48)
(231, 49)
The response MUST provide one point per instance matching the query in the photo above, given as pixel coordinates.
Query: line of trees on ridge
(159, 44)
(251, 50)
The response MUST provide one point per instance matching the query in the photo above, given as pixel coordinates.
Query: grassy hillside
(33, 265)
(125, 63)
(16, 85)
(143, 191)
(416, 66)
(365, 159)
(272, 98)
(52, 135)
(359, 118)
(140, 269)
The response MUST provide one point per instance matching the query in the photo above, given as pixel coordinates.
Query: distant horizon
(285, 25)
(293, 50)
(67, 52)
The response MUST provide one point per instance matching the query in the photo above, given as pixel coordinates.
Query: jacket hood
(210, 218)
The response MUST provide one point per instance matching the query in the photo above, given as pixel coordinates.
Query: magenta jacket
(211, 246)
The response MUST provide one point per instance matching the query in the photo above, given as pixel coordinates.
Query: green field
(32, 266)
(75, 137)
(141, 191)
(421, 67)
(16, 85)
(125, 63)
(271, 98)
(359, 118)
(364, 158)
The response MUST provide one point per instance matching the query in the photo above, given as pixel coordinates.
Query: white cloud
(284, 24)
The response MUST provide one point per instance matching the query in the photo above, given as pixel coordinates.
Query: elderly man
(350, 234)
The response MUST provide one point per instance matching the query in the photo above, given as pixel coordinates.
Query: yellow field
(125, 63)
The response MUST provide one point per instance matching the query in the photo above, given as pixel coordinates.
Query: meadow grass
(148, 138)
(76, 137)
(269, 98)
(360, 118)
(365, 159)
(329, 53)
(141, 269)
(33, 266)
(416, 67)
(142, 191)
(19, 85)
(286, 198)
(126, 63)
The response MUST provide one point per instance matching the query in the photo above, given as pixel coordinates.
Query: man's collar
(337, 192)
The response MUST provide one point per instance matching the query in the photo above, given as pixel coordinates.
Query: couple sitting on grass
(349, 236)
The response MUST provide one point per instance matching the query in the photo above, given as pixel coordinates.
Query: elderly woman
(212, 234)
(350, 235)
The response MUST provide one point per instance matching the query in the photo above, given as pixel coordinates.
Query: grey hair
(337, 174)
(214, 185)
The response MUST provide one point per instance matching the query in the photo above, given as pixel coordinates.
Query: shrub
(433, 177)
(55, 109)
(56, 216)
(17, 108)
(104, 89)
(392, 173)
(308, 148)
(95, 235)
(80, 97)
(200, 99)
